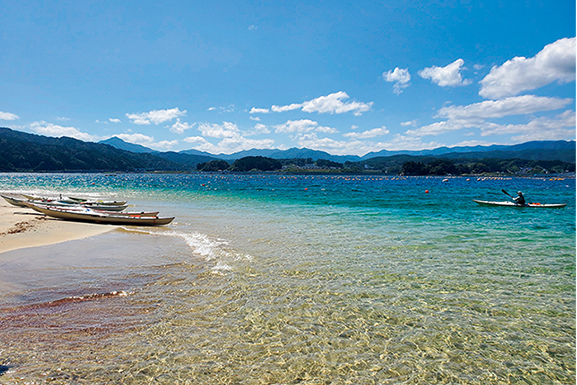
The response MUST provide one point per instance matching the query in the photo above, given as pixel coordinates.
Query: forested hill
(27, 152)
(23, 152)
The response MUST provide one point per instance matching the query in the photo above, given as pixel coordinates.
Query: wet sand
(21, 228)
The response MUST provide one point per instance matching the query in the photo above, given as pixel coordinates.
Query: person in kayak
(519, 199)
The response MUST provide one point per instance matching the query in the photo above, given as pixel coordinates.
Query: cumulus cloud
(449, 76)
(290, 107)
(55, 130)
(224, 130)
(255, 110)
(231, 139)
(258, 129)
(477, 114)
(361, 147)
(148, 141)
(179, 127)
(401, 78)
(135, 138)
(560, 127)
(332, 146)
(329, 104)
(556, 62)
(164, 145)
(333, 104)
(302, 126)
(114, 120)
(517, 105)
(8, 116)
(368, 134)
(156, 116)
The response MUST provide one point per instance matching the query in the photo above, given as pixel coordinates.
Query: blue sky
(346, 77)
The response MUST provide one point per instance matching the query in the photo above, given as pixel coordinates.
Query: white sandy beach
(21, 227)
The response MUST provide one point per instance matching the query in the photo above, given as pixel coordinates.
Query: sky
(345, 77)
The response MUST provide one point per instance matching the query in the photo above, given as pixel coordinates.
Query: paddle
(506, 193)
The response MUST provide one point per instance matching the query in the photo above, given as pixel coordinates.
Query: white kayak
(96, 217)
(513, 204)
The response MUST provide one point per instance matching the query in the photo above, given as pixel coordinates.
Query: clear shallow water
(298, 279)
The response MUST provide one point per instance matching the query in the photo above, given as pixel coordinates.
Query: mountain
(28, 152)
(185, 159)
(534, 145)
(122, 145)
(280, 154)
(538, 150)
(21, 151)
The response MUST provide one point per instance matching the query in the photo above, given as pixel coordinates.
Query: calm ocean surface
(275, 279)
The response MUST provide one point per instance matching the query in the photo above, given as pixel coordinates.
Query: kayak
(95, 217)
(82, 209)
(513, 204)
(24, 203)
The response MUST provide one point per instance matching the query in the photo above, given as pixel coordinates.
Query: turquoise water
(273, 279)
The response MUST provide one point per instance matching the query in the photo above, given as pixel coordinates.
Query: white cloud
(164, 145)
(517, 105)
(148, 141)
(409, 123)
(62, 119)
(260, 129)
(141, 139)
(336, 147)
(195, 139)
(55, 130)
(331, 104)
(302, 126)
(156, 116)
(401, 78)
(8, 116)
(221, 109)
(404, 142)
(358, 147)
(113, 120)
(228, 145)
(179, 127)
(290, 107)
(255, 110)
(368, 134)
(476, 115)
(544, 128)
(556, 62)
(448, 76)
(226, 130)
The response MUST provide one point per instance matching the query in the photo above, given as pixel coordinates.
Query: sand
(21, 228)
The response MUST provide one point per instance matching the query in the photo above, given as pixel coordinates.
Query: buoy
(306, 189)
(426, 191)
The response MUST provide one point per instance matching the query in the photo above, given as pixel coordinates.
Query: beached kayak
(103, 218)
(24, 203)
(513, 204)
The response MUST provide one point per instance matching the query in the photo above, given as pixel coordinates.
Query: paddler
(519, 199)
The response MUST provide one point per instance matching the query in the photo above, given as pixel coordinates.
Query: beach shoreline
(22, 228)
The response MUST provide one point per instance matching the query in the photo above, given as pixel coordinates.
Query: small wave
(211, 250)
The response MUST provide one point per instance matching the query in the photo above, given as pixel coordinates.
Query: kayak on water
(513, 204)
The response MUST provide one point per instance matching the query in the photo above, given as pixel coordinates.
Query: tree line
(396, 165)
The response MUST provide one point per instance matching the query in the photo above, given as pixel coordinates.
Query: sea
(297, 279)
